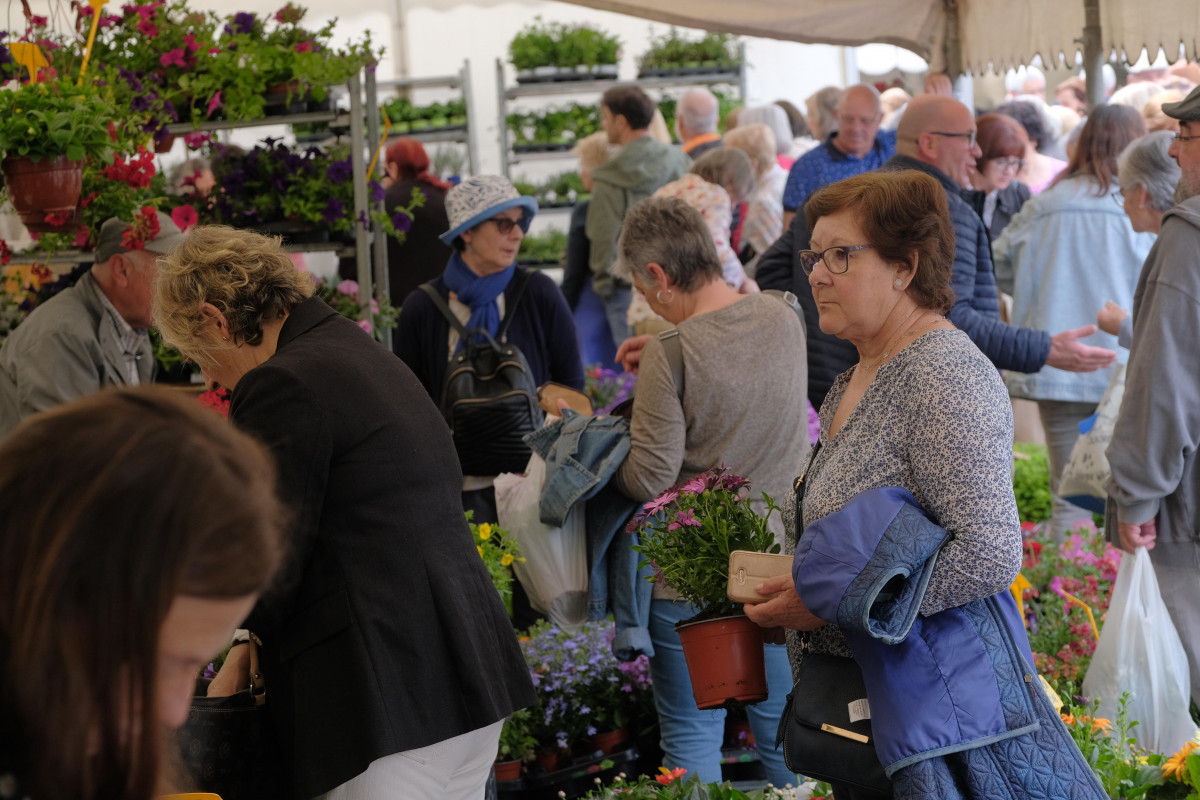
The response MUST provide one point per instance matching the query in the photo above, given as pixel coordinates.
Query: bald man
(937, 136)
(857, 146)
(696, 119)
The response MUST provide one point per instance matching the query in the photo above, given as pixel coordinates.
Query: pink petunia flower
(173, 57)
(184, 216)
(348, 287)
(685, 518)
(304, 47)
(214, 103)
(189, 41)
(147, 28)
(366, 326)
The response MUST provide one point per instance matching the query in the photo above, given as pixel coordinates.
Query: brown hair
(247, 276)
(1109, 130)
(110, 508)
(999, 136)
(903, 214)
(631, 103)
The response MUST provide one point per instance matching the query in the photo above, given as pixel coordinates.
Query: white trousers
(454, 769)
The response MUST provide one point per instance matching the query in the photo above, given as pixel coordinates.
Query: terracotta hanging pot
(507, 770)
(725, 660)
(608, 741)
(40, 188)
(165, 144)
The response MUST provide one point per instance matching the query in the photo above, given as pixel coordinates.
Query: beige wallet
(748, 569)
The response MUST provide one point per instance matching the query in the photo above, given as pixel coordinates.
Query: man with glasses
(857, 146)
(1155, 484)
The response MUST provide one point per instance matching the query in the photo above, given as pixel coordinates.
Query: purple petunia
(401, 221)
(377, 191)
(243, 22)
(338, 172)
(334, 210)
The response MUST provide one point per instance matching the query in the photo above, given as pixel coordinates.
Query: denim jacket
(582, 454)
(1064, 254)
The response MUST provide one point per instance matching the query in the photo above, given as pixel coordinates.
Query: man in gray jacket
(1155, 484)
(639, 168)
(90, 335)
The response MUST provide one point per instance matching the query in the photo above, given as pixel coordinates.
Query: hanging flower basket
(725, 661)
(41, 189)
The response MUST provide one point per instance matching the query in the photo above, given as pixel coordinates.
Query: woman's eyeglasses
(504, 224)
(837, 259)
(1011, 164)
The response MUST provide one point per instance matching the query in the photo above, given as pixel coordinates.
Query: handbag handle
(258, 684)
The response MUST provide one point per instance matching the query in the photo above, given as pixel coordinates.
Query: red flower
(136, 173)
(37, 22)
(145, 227)
(214, 103)
(173, 57)
(5, 255)
(668, 776)
(212, 51)
(184, 216)
(217, 400)
(304, 47)
(83, 235)
(147, 28)
(59, 218)
(112, 130)
(86, 200)
(189, 41)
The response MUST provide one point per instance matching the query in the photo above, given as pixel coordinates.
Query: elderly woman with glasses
(1068, 250)
(998, 194)
(1148, 177)
(923, 410)
(743, 406)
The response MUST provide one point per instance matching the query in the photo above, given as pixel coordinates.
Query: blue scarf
(478, 294)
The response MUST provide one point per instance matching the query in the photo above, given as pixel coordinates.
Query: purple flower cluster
(607, 388)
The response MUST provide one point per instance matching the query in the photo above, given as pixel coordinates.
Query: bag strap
(787, 297)
(674, 350)
(444, 307)
(258, 684)
(522, 280)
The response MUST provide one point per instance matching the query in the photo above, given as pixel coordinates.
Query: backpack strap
(521, 279)
(444, 307)
(674, 350)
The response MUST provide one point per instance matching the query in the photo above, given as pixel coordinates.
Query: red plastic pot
(608, 741)
(507, 770)
(39, 188)
(725, 661)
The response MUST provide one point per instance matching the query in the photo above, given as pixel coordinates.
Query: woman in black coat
(385, 636)
(422, 255)
(998, 195)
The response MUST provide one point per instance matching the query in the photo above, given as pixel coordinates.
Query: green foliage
(345, 299)
(688, 532)
(672, 51)
(1126, 771)
(516, 739)
(499, 552)
(673, 785)
(543, 44)
(405, 116)
(554, 125)
(1031, 482)
(549, 247)
(46, 120)
(561, 188)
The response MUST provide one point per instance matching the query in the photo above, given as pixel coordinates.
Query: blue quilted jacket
(976, 309)
(950, 682)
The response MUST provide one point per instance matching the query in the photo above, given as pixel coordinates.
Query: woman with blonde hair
(764, 206)
(386, 617)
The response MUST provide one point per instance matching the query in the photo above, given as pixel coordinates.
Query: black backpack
(489, 397)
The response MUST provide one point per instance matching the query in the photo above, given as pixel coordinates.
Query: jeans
(1061, 420)
(616, 310)
(692, 738)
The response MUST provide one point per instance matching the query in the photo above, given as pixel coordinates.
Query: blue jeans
(616, 311)
(692, 738)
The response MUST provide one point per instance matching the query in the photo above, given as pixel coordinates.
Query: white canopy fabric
(993, 34)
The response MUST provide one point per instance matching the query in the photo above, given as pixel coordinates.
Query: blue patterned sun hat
(481, 197)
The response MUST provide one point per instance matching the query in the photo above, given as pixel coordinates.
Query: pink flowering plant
(688, 532)
(344, 297)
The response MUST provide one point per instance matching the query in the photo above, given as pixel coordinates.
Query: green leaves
(46, 120)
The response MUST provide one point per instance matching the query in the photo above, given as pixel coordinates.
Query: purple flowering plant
(607, 388)
(582, 689)
(688, 531)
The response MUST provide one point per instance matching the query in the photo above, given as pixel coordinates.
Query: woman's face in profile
(195, 630)
(853, 303)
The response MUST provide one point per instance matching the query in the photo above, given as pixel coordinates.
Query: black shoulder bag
(826, 725)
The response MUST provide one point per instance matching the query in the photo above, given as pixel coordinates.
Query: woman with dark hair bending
(120, 578)
(923, 411)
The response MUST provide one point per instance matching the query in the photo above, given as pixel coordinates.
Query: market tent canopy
(990, 34)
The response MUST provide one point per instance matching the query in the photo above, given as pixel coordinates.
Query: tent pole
(1093, 57)
(952, 49)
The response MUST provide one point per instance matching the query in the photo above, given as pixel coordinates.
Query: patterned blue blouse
(826, 164)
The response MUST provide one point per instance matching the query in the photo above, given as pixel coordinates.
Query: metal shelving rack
(461, 81)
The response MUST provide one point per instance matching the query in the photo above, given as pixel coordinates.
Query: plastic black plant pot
(276, 105)
(319, 106)
(574, 780)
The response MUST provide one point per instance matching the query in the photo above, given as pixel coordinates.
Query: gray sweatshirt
(1154, 444)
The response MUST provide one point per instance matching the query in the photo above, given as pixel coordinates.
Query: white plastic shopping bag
(554, 573)
(1139, 652)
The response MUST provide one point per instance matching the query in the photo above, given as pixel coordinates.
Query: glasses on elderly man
(969, 136)
(1179, 137)
(837, 258)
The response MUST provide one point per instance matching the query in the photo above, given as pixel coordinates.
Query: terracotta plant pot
(507, 770)
(38, 188)
(608, 741)
(165, 144)
(548, 760)
(725, 661)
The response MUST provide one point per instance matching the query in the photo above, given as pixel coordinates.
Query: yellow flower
(480, 549)
(485, 531)
(1176, 766)
(506, 559)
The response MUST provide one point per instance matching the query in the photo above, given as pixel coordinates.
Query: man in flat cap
(1154, 492)
(91, 335)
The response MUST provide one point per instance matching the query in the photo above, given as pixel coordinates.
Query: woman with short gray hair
(1147, 177)
(745, 364)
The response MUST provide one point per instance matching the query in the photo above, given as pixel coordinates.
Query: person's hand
(783, 609)
(938, 83)
(629, 354)
(748, 287)
(1068, 353)
(1135, 536)
(1109, 318)
(234, 675)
